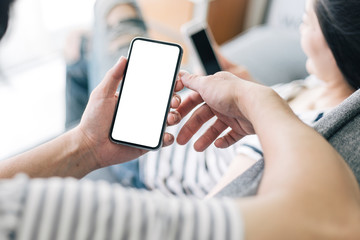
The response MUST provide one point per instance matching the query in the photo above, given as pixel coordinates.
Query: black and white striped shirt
(58, 208)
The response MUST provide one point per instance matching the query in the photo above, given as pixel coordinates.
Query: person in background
(331, 48)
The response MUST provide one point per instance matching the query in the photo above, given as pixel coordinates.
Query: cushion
(271, 54)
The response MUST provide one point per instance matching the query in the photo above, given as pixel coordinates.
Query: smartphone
(145, 93)
(199, 40)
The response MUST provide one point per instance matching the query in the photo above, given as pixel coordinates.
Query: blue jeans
(128, 174)
(104, 35)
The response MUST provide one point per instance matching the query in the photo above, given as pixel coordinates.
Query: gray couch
(272, 51)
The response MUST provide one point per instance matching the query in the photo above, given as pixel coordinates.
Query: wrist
(247, 98)
(82, 153)
(261, 105)
(66, 155)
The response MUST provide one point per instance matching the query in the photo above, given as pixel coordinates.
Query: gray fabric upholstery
(272, 52)
(245, 185)
(341, 127)
(272, 55)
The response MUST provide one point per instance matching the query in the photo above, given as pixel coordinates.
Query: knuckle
(193, 77)
(214, 130)
(221, 74)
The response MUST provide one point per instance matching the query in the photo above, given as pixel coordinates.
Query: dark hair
(4, 15)
(340, 23)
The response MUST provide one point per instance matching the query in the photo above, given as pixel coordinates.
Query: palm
(96, 121)
(96, 124)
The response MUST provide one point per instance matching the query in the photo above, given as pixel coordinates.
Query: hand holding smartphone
(199, 40)
(145, 93)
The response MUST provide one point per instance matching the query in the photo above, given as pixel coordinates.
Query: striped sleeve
(70, 209)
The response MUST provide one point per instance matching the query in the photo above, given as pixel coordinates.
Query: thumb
(191, 81)
(114, 76)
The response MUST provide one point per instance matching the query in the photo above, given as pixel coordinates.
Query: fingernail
(120, 59)
(175, 100)
(175, 117)
(183, 74)
(180, 140)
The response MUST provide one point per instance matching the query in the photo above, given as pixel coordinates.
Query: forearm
(305, 180)
(67, 155)
(288, 143)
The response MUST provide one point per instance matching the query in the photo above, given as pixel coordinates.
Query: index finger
(190, 102)
(198, 119)
(191, 81)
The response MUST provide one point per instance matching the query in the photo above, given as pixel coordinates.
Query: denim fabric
(128, 174)
(86, 73)
(102, 58)
(76, 87)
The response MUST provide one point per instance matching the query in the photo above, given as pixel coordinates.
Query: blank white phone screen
(145, 93)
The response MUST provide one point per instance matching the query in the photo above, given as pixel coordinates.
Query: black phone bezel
(169, 98)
